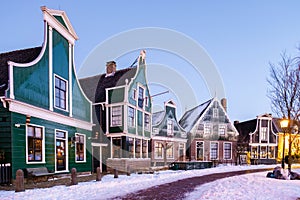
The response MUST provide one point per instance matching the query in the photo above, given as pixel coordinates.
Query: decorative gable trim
(49, 14)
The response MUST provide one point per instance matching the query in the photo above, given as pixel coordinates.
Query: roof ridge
(19, 50)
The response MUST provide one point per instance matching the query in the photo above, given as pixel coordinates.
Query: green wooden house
(122, 115)
(168, 141)
(45, 118)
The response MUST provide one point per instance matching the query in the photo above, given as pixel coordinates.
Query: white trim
(224, 151)
(43, 144)
(196, 154)
(162, 149)
(134, 117)
(70, 82)
(11, 80)
(111, 117)
(27, 109)
(66, 151)
(67, 93)
(84, 150)
(50, 69)
(162, 138)
(210, 150)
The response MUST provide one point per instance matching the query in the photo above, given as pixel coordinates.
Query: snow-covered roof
(190, 118)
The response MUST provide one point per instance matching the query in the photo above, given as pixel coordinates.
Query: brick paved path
(178, 189)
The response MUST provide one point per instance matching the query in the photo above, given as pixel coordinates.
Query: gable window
(158, 151)
(263, 134)
(131, 116)
(207, 129)
(215, 113)
(214, 149)
(35, 144)
(141, 97)
(147, 122)
(116, 116)
(200, 150)
(227, 150)
(170, 127)
(222, 129)
(80, 147)
(60, 93)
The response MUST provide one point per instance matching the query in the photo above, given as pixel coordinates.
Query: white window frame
(147, 127)
(138, 96)
(170, 127)
(265, 156)
(224, 155)
(162, 150)
(207, 129)
(222, 127)
(84, 147)
(210, 152)
(131, 120)
(171, 148)
(112, 124)
(256, 152)
(43, 144)
(67, 93)
(66, 149)
(264, 134)
(196, 147)
(215, 112)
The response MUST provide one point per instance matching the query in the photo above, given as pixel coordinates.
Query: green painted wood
(60, 19)
(5, 135)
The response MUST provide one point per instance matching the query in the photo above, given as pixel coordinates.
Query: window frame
(169, 149)
(131, 119)
(215, 113)
(139, 98)
(217, 151)
(222, 127)
(170, 127)
(77, 141)
(264, 134)
(147, 128)
(112, 116)
(198, 147)
(207, 126)
(66, 93)
(42, 144)
(158, 150)
(225, 151)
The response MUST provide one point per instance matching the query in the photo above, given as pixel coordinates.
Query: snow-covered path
(250, 186)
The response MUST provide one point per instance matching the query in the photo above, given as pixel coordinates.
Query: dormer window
(60, 93)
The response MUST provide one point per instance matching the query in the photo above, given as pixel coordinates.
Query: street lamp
(284, 123)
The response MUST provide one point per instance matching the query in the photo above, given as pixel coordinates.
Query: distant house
(263, 138)
(122, 114)
(211, 135)
(45, 118)
(168, 141)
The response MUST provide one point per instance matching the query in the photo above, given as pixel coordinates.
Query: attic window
(215, 112)
(141, 97)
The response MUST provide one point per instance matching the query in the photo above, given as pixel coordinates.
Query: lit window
(214, 148)
(254, 153)
(60, 93)
(263, 152)
(227, 151)
(170, 127)
(147, 122)
(170, 150)
(131, 116)
(271, 152)
(158, 151)
(35, 144)
(80, 147)
(116, 116)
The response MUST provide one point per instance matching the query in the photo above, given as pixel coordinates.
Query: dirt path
(178, 189)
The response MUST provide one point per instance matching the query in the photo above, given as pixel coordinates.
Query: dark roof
(18, 56)
(94, 86)
(190, 118)
(244, 128)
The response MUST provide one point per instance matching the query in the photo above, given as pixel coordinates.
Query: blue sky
(241, 38)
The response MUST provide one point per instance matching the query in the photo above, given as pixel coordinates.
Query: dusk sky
(240, 37)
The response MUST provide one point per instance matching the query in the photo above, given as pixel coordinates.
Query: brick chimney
(110, 68)
(224, 103)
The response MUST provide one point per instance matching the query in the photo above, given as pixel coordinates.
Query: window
(61, 150)
(35, 144)
(207, 129)
(200, 150)
(131, 116)
(141, 97)
(60, 93)
(144, 149)
(263, 134)
(158, 150)
(214, 148)
(138, 148)
(271, 152)
(227, 151)
(130, 147)
(147, 122)
(116, 148)
(170, 150)
(222, 129)
(254, 153)
(215, 112)
(80, 147)
(170, 127)
(116, 116)
(263, 152)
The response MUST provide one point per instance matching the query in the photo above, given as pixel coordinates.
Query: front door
(61, 150)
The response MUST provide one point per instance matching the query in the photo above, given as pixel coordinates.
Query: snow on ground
(251, 186)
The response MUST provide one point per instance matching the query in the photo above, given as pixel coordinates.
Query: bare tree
(284, 92)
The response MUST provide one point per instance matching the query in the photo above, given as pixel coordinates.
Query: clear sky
(241, 38)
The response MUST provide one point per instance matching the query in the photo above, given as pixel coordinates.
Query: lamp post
(284, 123)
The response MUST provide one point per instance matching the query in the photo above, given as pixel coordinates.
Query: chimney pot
(111, 67)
